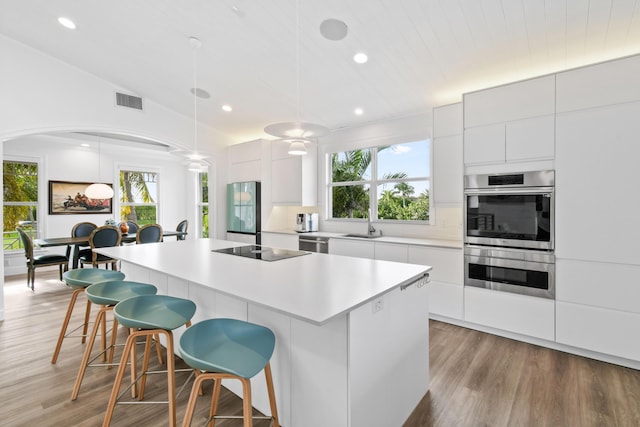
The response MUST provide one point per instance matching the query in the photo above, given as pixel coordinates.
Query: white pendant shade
(196, 167)
(99, 191)
(297, 148)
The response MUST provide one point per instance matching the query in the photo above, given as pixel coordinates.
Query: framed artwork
(67, 198)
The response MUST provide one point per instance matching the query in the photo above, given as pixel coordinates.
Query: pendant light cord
(195, 97)
(298, 61)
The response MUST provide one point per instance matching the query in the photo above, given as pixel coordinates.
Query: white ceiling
(422, 53)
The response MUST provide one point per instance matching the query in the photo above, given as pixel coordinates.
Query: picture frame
(67, 198)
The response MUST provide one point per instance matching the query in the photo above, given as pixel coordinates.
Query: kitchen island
(351, 334)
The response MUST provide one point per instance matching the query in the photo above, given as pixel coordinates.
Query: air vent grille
(129, 101)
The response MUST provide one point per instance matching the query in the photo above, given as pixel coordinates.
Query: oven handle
(493, 191)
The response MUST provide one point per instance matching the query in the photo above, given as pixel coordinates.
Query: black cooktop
(261, 252)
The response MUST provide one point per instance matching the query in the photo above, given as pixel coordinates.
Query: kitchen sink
(363, 236)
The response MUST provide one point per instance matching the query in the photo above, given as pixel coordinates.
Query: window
(139, 196)
(203, 203)
(20, 196)
(399, 175)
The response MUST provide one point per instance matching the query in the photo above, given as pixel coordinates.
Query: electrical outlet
(377, 305)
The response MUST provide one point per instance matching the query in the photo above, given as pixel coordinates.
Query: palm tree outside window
(139, 196)
(203, 203)
(20, 199)
(399, 175)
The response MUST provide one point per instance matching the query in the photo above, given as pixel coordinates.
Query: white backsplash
(448, 224)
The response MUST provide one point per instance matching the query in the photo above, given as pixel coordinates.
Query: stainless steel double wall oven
(509, 232)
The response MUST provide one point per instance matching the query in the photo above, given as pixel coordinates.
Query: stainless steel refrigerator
(243, 212)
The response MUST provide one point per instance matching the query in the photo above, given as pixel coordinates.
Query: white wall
(42, 94)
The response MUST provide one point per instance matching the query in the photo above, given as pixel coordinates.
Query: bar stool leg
(87, 353)
(272, 394)
(119, 376)
(65, 323)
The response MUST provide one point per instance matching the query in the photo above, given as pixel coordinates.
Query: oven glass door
(516, 219)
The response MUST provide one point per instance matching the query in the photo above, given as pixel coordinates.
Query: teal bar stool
(228, 349)
(107, 295)
(148, 316)
(80, 279)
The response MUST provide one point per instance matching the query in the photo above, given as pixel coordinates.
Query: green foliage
(20, 193)
(352, 200)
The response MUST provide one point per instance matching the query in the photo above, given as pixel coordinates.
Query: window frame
(139, 169)
(374, 181)
(39, 203)
(200, 204)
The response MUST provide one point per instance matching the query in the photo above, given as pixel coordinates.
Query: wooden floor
(476, 379)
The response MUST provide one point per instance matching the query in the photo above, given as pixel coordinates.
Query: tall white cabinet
(597, 208)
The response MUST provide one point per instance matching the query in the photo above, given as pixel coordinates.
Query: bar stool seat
(80, 279)
(107, 295)
(228, 349)
(147, 316)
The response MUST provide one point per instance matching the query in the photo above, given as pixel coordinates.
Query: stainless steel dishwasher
(313, 244)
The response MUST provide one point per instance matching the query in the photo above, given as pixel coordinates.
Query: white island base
(366, 367)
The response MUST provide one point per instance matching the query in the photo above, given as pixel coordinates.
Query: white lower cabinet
(516, 313)
(599, 329)
(352, 247)
(446, 279)
(280, 240)
(391, 252)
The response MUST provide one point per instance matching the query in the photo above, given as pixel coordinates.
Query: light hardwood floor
(477, 379)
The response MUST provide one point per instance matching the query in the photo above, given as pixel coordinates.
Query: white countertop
(314, 287)
(452, 244)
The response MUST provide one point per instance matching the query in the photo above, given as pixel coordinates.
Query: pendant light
(297, 133)
(195, 165)
(98, 190)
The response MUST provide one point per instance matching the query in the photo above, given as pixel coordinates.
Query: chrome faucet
(370, 229)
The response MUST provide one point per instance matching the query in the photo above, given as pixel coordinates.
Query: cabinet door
(531, 316)
(598, 329)
(447, 263)
(596, 189)
(286, 181)
(484, 144)
(391, 252)
(447, 170)
(531, 139)
(351, 247)
(278, 240)
(515, 101)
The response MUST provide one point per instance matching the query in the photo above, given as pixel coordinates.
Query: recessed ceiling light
(360, 57)
(200, 93)
(84, 144)
(358, 111)
(227, 108)
(67, 23)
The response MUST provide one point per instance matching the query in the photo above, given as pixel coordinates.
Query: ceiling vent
(129, 101)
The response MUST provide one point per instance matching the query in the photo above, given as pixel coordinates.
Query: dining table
(77, 242)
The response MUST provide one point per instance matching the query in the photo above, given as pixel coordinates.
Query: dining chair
(182, 228)
(102, 237)
(133, 226)
(149, 233)
(41, 260)
(80, 229)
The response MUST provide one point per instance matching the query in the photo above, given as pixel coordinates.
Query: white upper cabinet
(447, 154)
(293, 178)
(515, 101)
(245, 161)
(510, 123)
(612, 82)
